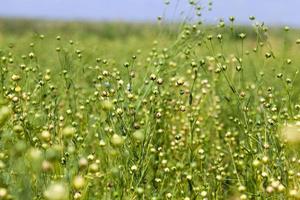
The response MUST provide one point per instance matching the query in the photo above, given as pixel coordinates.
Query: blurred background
(272, 12)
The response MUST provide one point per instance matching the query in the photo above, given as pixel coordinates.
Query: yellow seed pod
(78, 182)
(47, 77)
(18, 88)
(3, 193)
(107, 105)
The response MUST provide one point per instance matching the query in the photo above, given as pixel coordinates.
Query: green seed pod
(286, 28)
(268, 55)
(35, 157)
(140, 190)
(117, 140)
(68, 131)
(252, 18)
(3, 193)
(94, 167)
(18, 128)
(57, 191)
(107, 105)
(5, 113)
(242, 35)
(78, 182)
(139, 135)
(45, 136)
(126, 64)
(231, 18)
(53, 153)
(20, 147)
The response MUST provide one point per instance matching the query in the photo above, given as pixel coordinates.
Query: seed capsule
(5, 113)
(117, 140)
(78, 182)
(57, 191)
(46, 136)
(139, 135)
(68, 132)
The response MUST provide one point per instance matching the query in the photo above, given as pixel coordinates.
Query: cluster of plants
(209, 114)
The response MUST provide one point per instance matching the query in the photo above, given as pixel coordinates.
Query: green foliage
(122, 111)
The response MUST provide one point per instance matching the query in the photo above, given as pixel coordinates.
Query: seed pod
(5, 113)
(78, 182)
(3, 193)
(15, 77)
(252, 18)
(83, 163)
(139, 135)
(231, 18)
(53, 153)
(242, 35)
(107, 105)
(117, 140)
(46, 136)
(47, 166)
(68, 131)
(57, 191)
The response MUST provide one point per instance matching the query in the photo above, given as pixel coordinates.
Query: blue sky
(278, 12)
